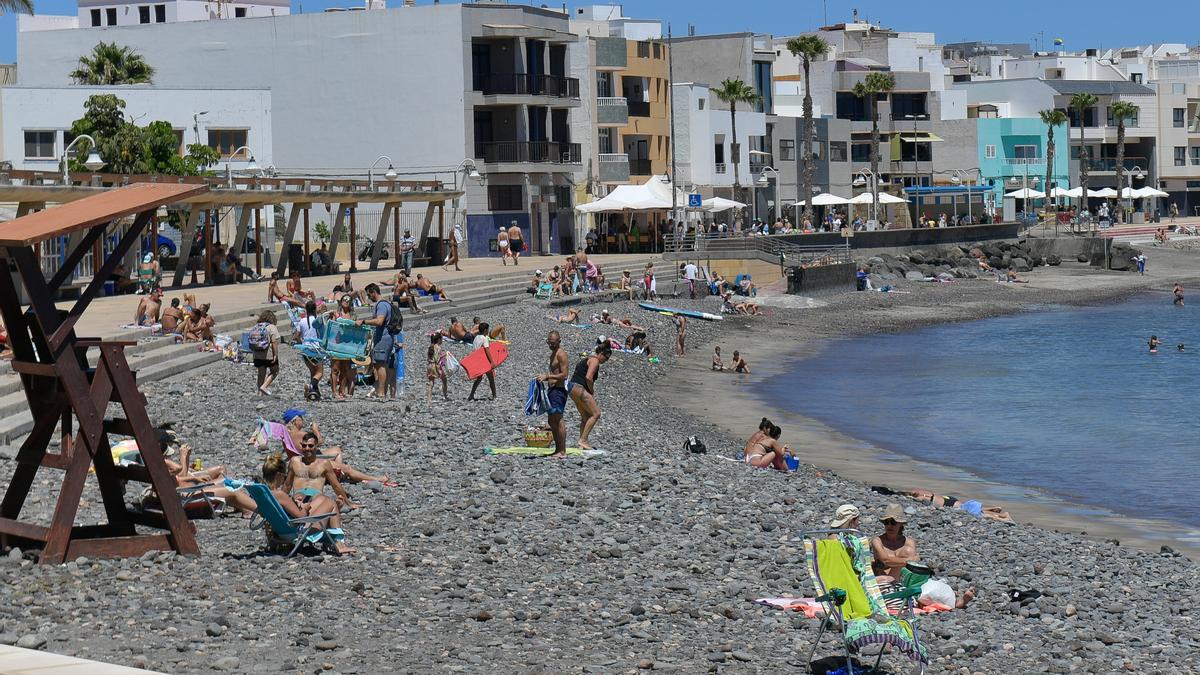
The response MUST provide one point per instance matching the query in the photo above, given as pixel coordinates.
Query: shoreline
(772, 350)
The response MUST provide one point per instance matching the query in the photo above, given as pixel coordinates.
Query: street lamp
(1133, 172)
(196, 123)
(957, 179)
(93, 162)
(251, 166)
(863, 178)
(390, 175)
(765, 182)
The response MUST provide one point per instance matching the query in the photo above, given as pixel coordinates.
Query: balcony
(1025, 163)
(523, 84)
(639, 167)
(614, 168)
(512, 152)
(1110, 164)
(612, 111)
(639, 108)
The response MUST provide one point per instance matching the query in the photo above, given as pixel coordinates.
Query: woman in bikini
(274, 475)
(502, 245)
(582, 390)
(570, 316)
(341, 374)
(768, 452)
(764, 426)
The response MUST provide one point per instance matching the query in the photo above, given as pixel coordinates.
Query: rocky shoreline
(644, 557)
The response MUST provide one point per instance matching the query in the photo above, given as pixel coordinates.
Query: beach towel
(537, 402)
(269, 431)
(540, 452)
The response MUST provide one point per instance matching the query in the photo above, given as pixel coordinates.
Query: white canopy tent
(884, 198)
(1075, 192)
(718, 204)
(654, 194)
(826, 199)
(1026, 193)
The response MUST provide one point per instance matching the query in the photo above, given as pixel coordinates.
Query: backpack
(395, 322)
(694, 445)
(259, 338)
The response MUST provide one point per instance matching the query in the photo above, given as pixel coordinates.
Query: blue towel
(538, 401)
(972, 507)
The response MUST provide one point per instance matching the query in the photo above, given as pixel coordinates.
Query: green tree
(735, 91)
(1052, 118)
(128, 148)
(110, 63)
(869, 90)
(322, 231)
(808, 48)
(1081, 102)
(16, 6)
(1122, 112)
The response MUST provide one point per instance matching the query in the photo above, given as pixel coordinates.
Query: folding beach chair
(544, 291)
(849, 593)
(284, 531)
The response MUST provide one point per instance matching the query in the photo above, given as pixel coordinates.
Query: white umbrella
(884, 198)
(1149, 191)
(717, 204)
(1104, 192)
(1060, 192)
(826, 199)
(1074, 193)
(1026, 193)
(1129, 193)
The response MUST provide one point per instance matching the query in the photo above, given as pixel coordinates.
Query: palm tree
(1122, 111)
(110, 63)
(807, 47)
(1051, 117)
(1081, 102)
(870, 87)
(734, 91)
(16, 6)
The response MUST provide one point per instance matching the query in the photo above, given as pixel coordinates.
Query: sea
(1063, 401)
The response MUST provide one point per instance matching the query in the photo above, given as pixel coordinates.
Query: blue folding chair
(283, 530)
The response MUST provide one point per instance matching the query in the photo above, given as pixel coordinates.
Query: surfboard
(476, 363)
(683, 312)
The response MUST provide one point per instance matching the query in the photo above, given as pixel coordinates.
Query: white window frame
(989, 151)
(1037, 151)
(53, 145)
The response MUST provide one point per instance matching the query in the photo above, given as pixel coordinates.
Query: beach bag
(259, 338)
(449, 363)
(694, 445)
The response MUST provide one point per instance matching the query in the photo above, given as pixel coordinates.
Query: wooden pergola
(64, 393)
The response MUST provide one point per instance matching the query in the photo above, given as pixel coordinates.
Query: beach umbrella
(1107, 193)
(1026, 193)
(1073, 193)
(826, 199)
(1148, 191)
(717, 204)
(1060, 192)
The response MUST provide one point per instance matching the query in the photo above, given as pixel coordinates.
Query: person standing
(502, 244)
(689, 273)
(1140, 259)
(408, 245)
(435, 367)
(556, 379)
(680, 333)
(516, 242)
(582, 389)
(1177, 292)
(264, 344)
(312, 327)
(482, 341)
(1174, 211)
(382, 347)
(452, 256)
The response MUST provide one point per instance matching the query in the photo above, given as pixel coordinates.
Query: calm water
(1067, 401)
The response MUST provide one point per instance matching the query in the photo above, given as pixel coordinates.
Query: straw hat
(894, 512)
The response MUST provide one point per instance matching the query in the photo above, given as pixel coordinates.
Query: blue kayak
(682, 312)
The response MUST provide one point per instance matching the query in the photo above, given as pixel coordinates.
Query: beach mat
(525, 451)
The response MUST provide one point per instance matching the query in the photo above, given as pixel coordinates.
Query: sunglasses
(308, 445)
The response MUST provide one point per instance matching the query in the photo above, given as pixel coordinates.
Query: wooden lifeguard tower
(65, 393)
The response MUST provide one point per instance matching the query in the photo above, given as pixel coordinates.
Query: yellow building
(633, 127)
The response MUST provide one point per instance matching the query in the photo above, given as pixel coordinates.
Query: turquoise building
(1015, 147)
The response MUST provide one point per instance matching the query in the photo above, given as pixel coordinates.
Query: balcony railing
(1022, 161)
(720, 168)
(612, 110)
(639, 109)
(523, 84)
(551, 152)
(910, 117)
(1110, 164)
(639, 167)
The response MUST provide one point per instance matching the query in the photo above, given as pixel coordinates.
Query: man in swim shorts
(557, 379)
(515, 243)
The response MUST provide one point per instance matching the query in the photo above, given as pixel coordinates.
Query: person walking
(556, 379)
(312, 327)
(502, 245)
(264, 345)
(408, 245)
(1140, 259)
(689, 273)
(482, 341)
(382, 347)
(452, 256)
(582, 389)
(680, 333)
(516, 242)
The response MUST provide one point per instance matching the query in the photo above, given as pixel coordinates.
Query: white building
(703, 140)
(107, 13)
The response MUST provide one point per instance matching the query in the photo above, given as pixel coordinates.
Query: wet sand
(798, 330)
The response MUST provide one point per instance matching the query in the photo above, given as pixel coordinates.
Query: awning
(920, 137)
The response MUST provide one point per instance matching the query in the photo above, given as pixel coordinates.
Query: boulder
(997, 261)
(1120, 263)
(917, 257)
(914, 276)
(875, 260)
(1053, 260)
(952, 252)
(1082, 257)
(976, 252)
(1020, 264)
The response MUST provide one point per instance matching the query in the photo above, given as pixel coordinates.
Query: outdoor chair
(282, 530)
(544, 291)
(849, 594)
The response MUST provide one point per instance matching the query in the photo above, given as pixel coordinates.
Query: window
(1089, 117)
(643, 50)
(787, 149)
(1112, 121)
(1178, 88)
(606, 144)
(700, 104)
(1074, 152)
(143, 13)
(916, 152)
(818, 149)
(239, 12)
(604, 84)
(39, 144)
(860, 152)
(1195, 150)
(719, 150)
(96, 17)
(505, 198)
(1025, 151)
(764, 87)
(1136, 77)
(1178, 115)
(909, 105)
(225, 141)
(1180, 155)
(657, 50)
(160, 14)
(851, 107)
(837, 151)
(989, 151)
(110, 15)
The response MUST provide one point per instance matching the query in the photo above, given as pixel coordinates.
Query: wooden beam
(353, 238)
(116, 547)
(307, 240)
(380, 234)
(80, 243)
(26, 530)
(335, 237)
(288, 235)
(243, 230)
(421, 246)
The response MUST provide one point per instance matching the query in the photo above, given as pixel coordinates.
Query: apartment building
(428, 86)
(107, 13)
(705, 152)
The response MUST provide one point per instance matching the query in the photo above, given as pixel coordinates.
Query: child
(435, 366)
(680, 333)
(717, 364)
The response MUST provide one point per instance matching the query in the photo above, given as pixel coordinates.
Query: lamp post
(251, 165)
(470, 171)
(957, 179)
(765, 182)
(1133, 172)
(93, 162)
(390, 175)
(864, 177)
(196, 123)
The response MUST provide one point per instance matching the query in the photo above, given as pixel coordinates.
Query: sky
(1094, 23)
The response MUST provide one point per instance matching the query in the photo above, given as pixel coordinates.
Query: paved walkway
(17, 661)
(105, 315)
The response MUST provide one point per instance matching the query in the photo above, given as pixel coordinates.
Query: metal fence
(792, 254)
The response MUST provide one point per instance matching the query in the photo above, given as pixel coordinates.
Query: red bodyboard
(476, 363)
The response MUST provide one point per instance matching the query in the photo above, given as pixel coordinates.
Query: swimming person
(582, 389)
(1177, 291)
(1154, 343)
(739, 363)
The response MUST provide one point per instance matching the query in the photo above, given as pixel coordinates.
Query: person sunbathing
(626, 285)
(172, 317)
(731, 306)
(148, 308)
(720, 285)
(316, 505)
(971, 506)
(496, 332)
(296, 290)
(276, 295)
(308, 475)
(767, 451)
(764, 426)
(570, 316)
(212, 479)
(457, 331)
(638, 341)
(892, 550)
(293, 420)
(747, 287)
(1012, 278)
(197, 327)
(404, 292)
(431, 289)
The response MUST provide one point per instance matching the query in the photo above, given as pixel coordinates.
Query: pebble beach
(642, 558)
